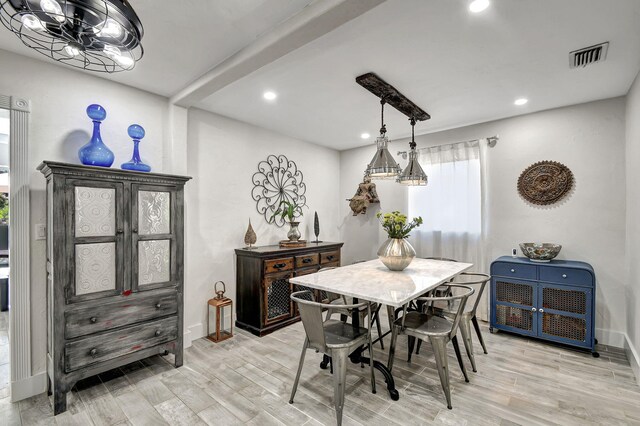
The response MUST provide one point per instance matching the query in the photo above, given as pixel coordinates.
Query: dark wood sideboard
(262, 282)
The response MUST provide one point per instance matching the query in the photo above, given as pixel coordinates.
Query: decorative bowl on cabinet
(540, 252)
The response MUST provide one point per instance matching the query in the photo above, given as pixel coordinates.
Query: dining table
(372, 281)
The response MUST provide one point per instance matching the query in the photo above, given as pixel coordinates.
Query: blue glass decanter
(96, 153)
(136, 132)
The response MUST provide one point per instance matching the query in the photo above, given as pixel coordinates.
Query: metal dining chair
(440, 330)
(336, 306)
(475, 279)
(333, 338)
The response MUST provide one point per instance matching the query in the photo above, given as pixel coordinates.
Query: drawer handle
(93, 352)
(534, 310)
(513, 270)
(307, 260)
(158, 332)
(564, 275)
(279, 265)
(330, 257)
(158, 305)
(541, 310)
(93, 320)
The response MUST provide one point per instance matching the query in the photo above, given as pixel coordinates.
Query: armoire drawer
(329, 257)
(526, 272)
(125, 311)
(307, 260)
(105, 346)
(568, 276)
(278, 265)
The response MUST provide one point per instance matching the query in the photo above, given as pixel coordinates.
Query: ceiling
(184, 39)
(462, 68)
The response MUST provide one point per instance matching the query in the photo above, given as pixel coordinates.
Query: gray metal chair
(336, 306)
(333, 338)
(439, 330)
(469, 314)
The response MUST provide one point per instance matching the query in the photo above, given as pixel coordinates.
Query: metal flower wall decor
(277, 179)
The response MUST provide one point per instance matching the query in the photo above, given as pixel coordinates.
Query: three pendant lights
(384, 166)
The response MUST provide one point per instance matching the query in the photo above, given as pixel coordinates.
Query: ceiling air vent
(589, 55)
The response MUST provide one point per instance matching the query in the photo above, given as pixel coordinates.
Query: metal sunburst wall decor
(277, 179)
(545, 182)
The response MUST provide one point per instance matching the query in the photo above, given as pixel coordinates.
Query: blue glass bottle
(96, 153)
(136, 132)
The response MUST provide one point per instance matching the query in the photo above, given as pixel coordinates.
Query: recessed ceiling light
(521, 101)
(365, 136)
(270, 96)
(477, 6)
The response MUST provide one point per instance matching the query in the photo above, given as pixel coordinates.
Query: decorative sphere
(96, 112)
(136, 131)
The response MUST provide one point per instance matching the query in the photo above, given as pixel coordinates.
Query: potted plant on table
(396, 253)
(290, 211)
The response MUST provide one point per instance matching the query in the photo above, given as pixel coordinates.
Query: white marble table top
(372, 280)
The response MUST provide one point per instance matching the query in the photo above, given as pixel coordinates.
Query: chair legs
(456, 347)
(295, 382)
(412, 342)
(465, 331)
(474, 320)
(440, 352)
(339, 357)
(373, 377)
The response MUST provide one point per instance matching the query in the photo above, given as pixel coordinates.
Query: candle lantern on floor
(220, 315)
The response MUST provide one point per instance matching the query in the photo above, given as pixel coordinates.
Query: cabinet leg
(59, 400)
(595, 354)
(178, 357)
(49, 390)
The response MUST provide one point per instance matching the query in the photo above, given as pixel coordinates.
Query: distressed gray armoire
(114, 270)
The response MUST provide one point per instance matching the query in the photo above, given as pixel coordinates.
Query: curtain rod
(491, 142)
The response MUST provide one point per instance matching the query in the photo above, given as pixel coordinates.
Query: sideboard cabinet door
(514, 305)
(154, 236)
(565, 314)
(94, 239)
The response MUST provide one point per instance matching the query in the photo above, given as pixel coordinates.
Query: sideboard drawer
(105, 346)
(527, 272)
(567, 276)
(329, 256)
(125, 311)
(278, 265)
(307, 260)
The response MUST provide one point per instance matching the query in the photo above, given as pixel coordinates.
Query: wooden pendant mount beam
(392, 96)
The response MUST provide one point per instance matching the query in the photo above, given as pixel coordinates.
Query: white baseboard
(193, 332)
(633, 357)
(28, 387)
(610, 337)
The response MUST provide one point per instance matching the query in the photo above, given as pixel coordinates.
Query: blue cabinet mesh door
(514, 304)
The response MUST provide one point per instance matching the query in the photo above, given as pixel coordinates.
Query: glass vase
(96, 153)
(136, 132)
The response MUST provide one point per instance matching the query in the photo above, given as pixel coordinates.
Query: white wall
(59, 126)
(632, 158)
(589, 223)
(222, 155)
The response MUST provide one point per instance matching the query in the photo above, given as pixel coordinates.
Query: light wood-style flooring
(247, 380)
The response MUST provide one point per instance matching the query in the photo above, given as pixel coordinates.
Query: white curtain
(453, 206)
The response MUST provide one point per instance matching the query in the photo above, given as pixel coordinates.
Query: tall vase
(136, 132)
(396, 253)
(96, 153)
(294, 232)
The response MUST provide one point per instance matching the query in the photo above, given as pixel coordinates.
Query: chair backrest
(311, 315)
(461, 295)
(473, 279)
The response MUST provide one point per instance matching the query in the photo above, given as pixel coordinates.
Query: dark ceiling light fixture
(95, 35)
(413, 175)
(382, 166)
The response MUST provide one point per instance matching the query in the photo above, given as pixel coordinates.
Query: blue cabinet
(553, 301)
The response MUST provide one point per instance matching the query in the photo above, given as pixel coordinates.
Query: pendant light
(383, 165)
(413, 175)
(94, 35)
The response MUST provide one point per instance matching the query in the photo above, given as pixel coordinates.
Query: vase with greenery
(396, 253)
(290, 211)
